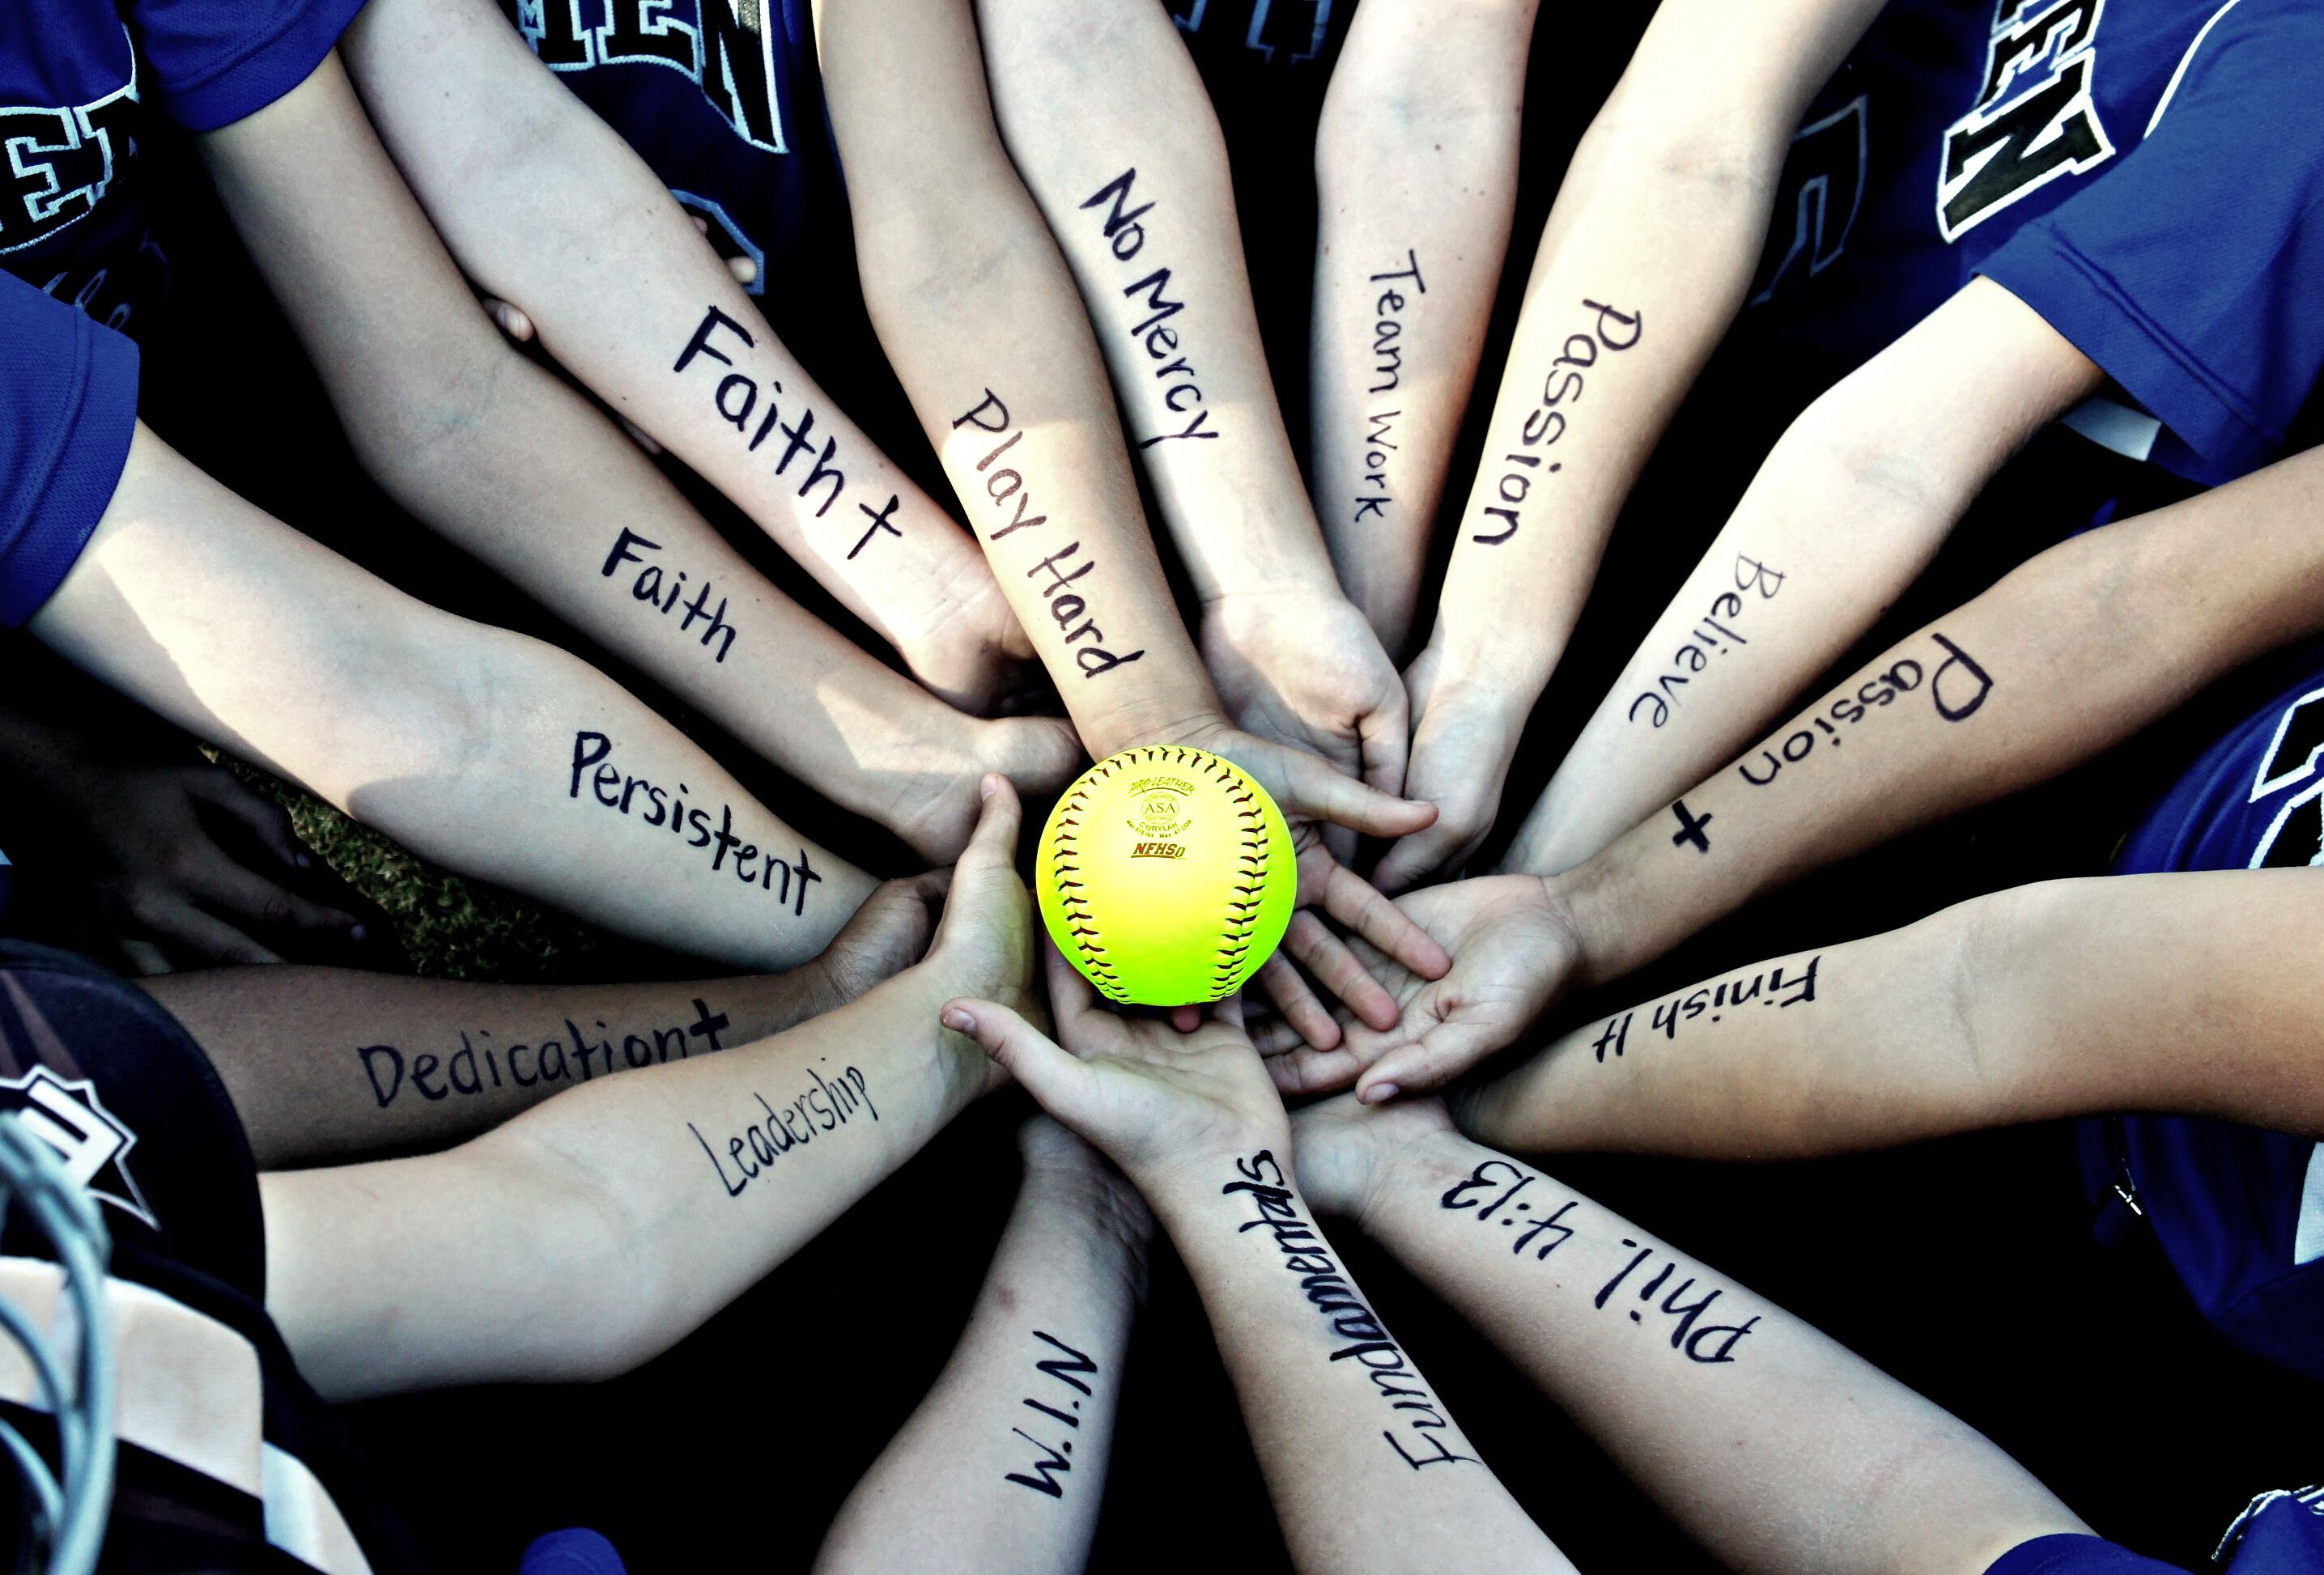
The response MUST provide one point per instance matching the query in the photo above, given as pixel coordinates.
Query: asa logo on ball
(1166, 876)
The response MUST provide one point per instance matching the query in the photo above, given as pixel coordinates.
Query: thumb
(1313, 790)
(994, 841)
(1058, 1082)
(1442, 1054)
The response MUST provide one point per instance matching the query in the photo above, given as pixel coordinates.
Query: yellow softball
(1166, 876)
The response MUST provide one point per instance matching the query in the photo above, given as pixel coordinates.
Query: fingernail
(959, 1021)
(357, 932)
(987, 786)
(303, 861)
(1380, 1093)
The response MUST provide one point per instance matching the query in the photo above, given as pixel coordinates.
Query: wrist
(1427, 1166)
(1499, 672)
(1268, 558)
(1158, 722)
(1187, 1188)
(914, 1000)
(1596, 905)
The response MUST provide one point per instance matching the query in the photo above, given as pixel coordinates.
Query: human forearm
(2167, 992)
(980, 317)
(1851, 506)
(1367, 1471)
(1108, 121)
(1627, 297)
(495, 755)
(1415, 174)
(330, 1062)
(2070, 654)
(544, 206)
(1007, 1453)
(618, 1216)
(1774, 1446)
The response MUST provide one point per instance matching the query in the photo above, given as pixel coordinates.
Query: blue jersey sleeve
(2194, 273)
(68, 406)
(218, 61)
(2073, 1553)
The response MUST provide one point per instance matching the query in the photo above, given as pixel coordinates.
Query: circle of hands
(1156, 1091)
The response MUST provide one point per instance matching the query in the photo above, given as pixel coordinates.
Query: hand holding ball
(1166, 876)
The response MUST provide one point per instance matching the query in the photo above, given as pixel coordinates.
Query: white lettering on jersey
(90, 1141)
(2034, 120)
(56, 163)
(727, 49)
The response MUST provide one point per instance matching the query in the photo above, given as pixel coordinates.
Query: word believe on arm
(1707, 639)
(1545, 425)
(1061, 587)
(1126, 236)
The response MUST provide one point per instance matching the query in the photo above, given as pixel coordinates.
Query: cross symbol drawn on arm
(1689, 828)
(879, 521)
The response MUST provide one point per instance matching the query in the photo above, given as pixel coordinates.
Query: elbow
(610, 1301)
(441, 700)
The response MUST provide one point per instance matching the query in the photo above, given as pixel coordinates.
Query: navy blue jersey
(2146, 174)
(2238, 1212)
(724, 103)
(68, 406)
(244, 1470)
(2281, 1533)
(79, 79)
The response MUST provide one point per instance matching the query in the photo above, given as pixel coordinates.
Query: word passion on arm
(1329, 1292)
(1957, 687)
(1125, 236)
(1718, 998)
(628, 794)
(1388, 330)
(768, 1135)
(1066, 1368)
(736, 398)
(474, 1068)
(1493, 1194)
(1546, 424)
(1060, 575)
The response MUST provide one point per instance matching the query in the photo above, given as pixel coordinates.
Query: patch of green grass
(450, 927)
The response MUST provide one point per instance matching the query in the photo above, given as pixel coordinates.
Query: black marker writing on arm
(1521, 467)
(1495, 1195)
(1067, 1367)
(736, 398)
(477, 1066)
(1387, 351)
(1306, 1254)
(1063, 575)
(630, 794)
(770, 1132)
(1126, 236)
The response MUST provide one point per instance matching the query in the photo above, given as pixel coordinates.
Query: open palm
(1147, 1095)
